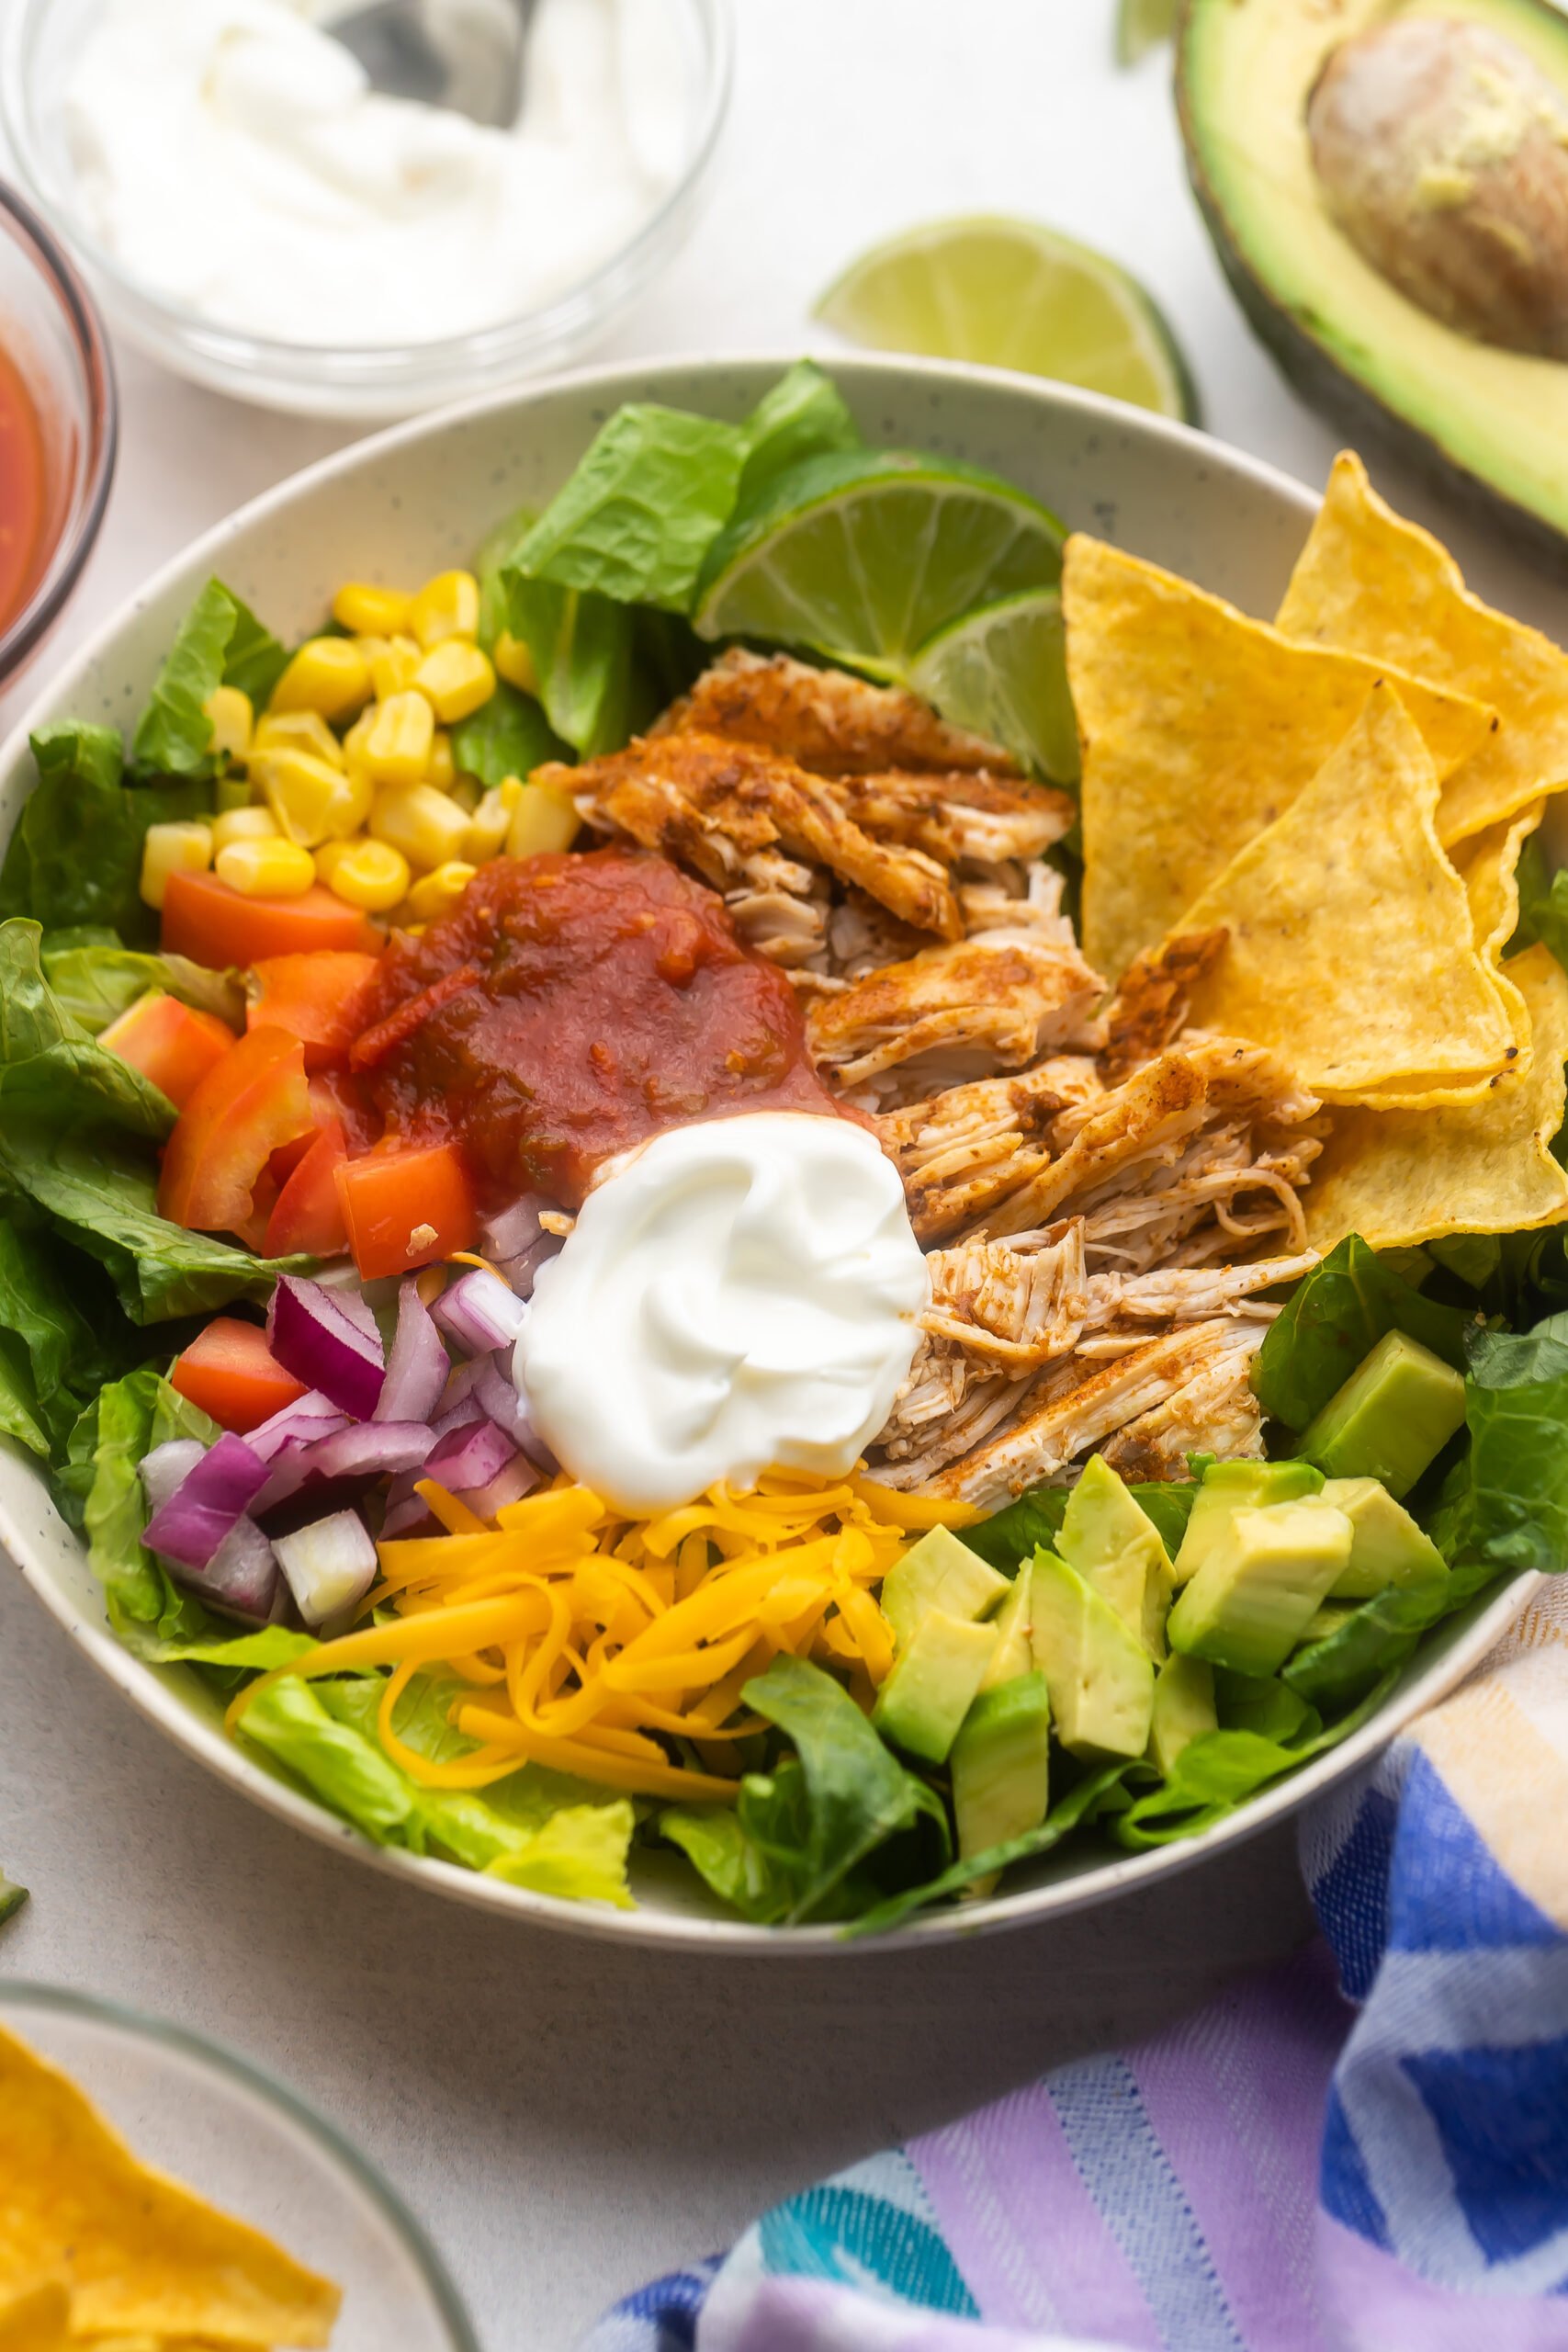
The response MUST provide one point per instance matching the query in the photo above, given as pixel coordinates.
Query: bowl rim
(375, 369)
(68, 557)
(60, 2000)
(155, 1696)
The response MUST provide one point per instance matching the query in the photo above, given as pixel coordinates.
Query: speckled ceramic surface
(418, 499)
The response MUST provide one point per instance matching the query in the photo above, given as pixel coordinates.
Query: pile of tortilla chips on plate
(1344, 797)
(97, 2250)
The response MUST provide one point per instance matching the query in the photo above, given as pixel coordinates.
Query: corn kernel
(366, 611)
(546, 818)
(329, 674)
(442, 772)
(369, 874)
(421, 822)
(514, 662)
(248, 824)
(298, 730)
(173, 849)
(311, 801)
(439, 892)
(273, 869)
(492, 821)
(397, 750)
(456, 678)
(229, 710)
(447, 605)
(391, 672)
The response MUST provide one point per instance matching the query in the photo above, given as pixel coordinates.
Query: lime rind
(1001, 671)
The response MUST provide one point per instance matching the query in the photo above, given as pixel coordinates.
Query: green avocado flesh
(1001, 1765)
(1260, 1583)
(934, 1680)
(1100, 1676)
(1390, 1420)
(1491, 422)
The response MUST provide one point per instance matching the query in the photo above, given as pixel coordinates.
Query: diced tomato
(405, 1208)
(322, 1000)
(248, 1104)
(338, 1094)
(169, 1041)
(309, 1214)
(210, 923)
(230, 1372)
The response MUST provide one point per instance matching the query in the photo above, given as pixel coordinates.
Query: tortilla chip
(1199, 727)
(140, 2254)
(1370, 582)
(1488, 865)
(1401, 1177)
(37, 2322)
(1351, 949)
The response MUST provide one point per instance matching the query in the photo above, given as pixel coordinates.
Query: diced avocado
(1238, 1486)
(1259, 1584)
(1001, 1766)
(1184, 1707)
(1014, 1653)
(1489, 420)
(1115, 1546)
(1100, 1678)
(939, 1572)
(933, 1683)
(1386, 1545)
(1392, 1418)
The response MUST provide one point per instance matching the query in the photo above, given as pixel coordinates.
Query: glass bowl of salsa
(58, 430)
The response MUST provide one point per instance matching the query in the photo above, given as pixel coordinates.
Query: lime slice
(1002, 672)
(1012, 294)
(866, 554)
(1141, 25)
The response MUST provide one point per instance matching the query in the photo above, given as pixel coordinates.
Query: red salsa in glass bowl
(58, 423)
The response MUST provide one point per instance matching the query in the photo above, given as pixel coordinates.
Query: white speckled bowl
(418, 498)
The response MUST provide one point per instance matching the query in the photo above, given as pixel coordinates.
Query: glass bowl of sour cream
(258, 219)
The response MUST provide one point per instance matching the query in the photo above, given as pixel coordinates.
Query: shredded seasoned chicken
(960, 1152)
(1149, 1009)
(826, 721)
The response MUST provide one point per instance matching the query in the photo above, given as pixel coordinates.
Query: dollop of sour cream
(735, 1295)
(232, 157)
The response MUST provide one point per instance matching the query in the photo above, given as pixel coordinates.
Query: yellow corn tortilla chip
(1199, 727)
(140, 2254)
(1400, 1177)
(1370, 582)
(1488, 865)
(39, 2320)
(1351, 950)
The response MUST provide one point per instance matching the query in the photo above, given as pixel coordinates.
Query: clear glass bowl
(41, 38)
(51, 333)
(204, 2116)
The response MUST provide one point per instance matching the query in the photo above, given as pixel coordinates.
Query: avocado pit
(1441, 151)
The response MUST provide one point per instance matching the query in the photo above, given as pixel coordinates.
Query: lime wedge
(1013, 294)
(1141, 25)
(865, 555)
(1002, 672)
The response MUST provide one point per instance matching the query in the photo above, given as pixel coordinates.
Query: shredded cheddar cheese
(589, 1640)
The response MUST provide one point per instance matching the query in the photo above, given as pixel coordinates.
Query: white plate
(418, 499)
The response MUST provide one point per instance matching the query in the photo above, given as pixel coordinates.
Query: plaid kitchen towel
(1364, 2150)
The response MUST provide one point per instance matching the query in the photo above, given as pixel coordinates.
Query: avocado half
(1490, 425)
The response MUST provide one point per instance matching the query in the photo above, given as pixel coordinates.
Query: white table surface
(568, 2118)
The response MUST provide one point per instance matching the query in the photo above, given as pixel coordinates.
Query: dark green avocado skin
(1302, 359)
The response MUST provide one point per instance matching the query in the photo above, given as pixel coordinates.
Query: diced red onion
(458, 1390)
(214, 1492)
(308, 1417)
(354, 1454)
(330, 1564)
(241, 1578)
(403, 1517)
(481, 1311)
(508, 1485)
(315, 1335)
(521, 1271)
(513, 1230)
(418, 1367)
(470, 1456)
(494, 1395)
(164, 1471)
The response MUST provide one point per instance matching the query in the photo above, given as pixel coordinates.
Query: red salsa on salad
(569, 1007)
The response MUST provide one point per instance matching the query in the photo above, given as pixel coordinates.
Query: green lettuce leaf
(95, 979)
(1265, 1704)
(220, 642)
(636, 518)
(496, 550)
(803, 415)
(1377, 1638)
(1335, 1315)
(1035, 1519)
(127, 1421)
(583, 649)
(75, 854)
(1506, 1502)
(54, 1075)
(1083, 1800)
(54, 1356)
(1543, 903)
(509, 735)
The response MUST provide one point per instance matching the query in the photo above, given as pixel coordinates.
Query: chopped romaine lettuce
(1506, 1501)
(220, 642)
(1335, 1315)
(635, 518)
(75, 854)
(53, 1073)
(95, 979)
(1082, 1802)
(122, 1426)
(803, 415)
(583, 649)
(508, 735)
